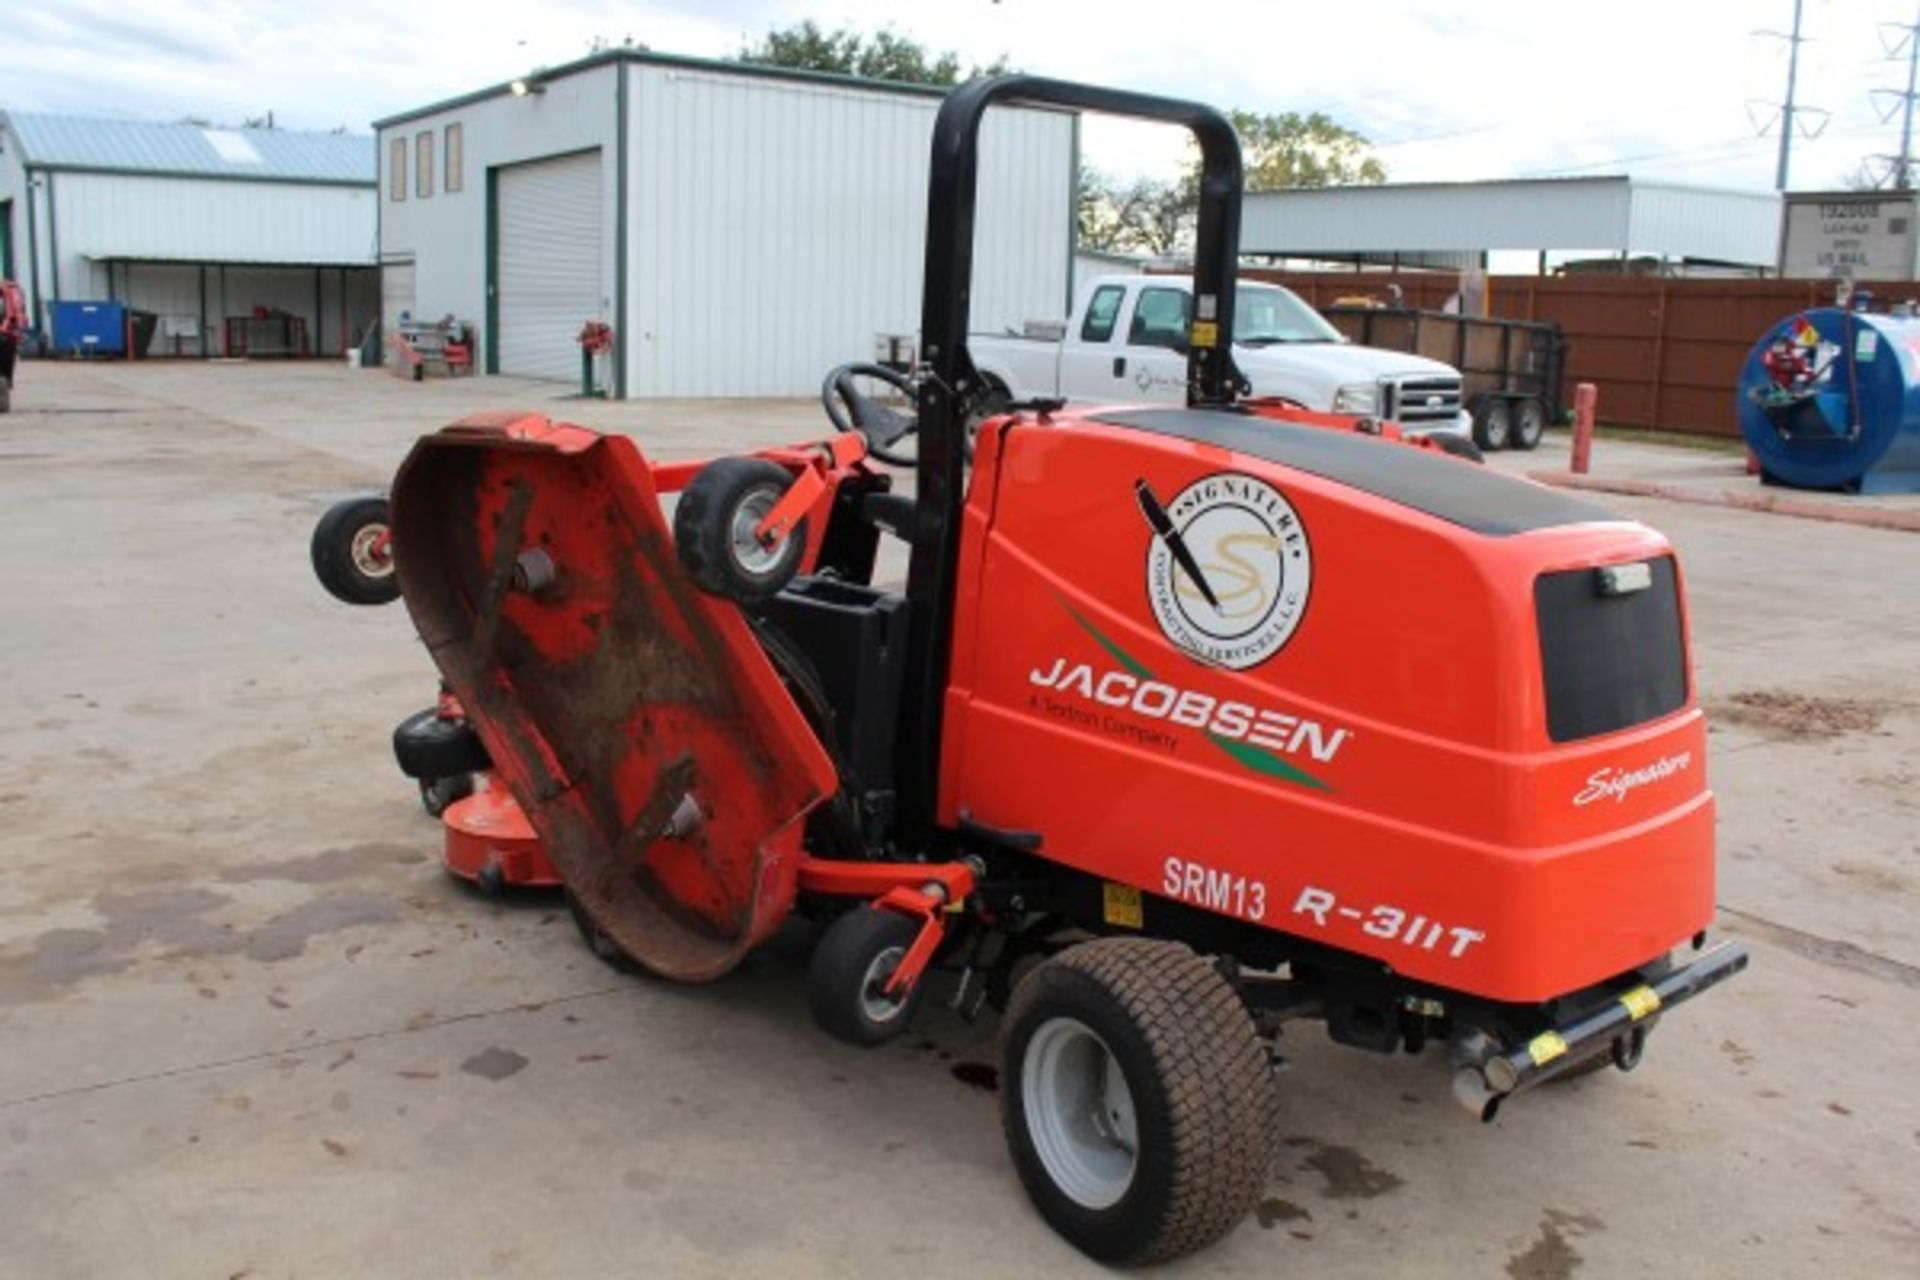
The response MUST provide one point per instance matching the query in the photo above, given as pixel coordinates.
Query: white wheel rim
(875, 1003)
(1080, 1113)
(370, 557)
(748, 551)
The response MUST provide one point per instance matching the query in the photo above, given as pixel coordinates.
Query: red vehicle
(1191, 723)
(13, 330)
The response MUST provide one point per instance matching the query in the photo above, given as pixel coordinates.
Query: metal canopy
(1604, 214)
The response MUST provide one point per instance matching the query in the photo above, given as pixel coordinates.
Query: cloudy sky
(1446, 88)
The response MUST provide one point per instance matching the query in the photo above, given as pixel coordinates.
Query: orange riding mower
(1191, 723)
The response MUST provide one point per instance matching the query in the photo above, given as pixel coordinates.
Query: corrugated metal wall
(444, 235)
(777, 227)
(1598, 214)
(200, 220)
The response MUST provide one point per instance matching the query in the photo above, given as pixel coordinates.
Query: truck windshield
(1266, 314)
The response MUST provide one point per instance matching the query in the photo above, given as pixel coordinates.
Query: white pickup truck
(1127, 343)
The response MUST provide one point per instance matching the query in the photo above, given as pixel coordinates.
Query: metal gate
(547, 263)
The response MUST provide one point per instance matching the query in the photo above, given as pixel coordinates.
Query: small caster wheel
(713, 530)
(437, 795)
(491, 881)
(430, 747)
(846, 982)
(598, 940)
(352, 552)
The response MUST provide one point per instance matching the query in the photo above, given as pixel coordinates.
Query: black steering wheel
(849, 409)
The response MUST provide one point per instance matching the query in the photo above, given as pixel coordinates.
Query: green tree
(883, 55)
(1288, 149)
(1141, 216)
(1278, 151)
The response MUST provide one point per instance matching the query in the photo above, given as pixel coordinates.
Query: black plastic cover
(1445, 487)
(1609, 662)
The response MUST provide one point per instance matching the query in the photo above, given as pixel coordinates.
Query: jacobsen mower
(1190, 723)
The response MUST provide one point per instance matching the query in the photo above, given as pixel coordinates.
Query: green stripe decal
(1247, 756)
(1120, 655)
(1260, 760)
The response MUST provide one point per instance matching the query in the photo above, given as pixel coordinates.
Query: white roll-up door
(396, 294)
(548, 270)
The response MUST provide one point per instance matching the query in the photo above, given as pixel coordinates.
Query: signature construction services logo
(1229, 568)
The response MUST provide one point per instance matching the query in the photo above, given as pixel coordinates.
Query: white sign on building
(1851, 236)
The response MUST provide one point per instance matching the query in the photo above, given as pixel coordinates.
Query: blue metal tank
(1830, 399)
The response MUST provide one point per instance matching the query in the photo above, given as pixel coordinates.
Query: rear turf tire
(1195, 1091)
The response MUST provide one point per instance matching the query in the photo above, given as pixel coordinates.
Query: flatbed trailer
(1511, 370)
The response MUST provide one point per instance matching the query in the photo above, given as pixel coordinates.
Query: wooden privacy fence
(1665, 354)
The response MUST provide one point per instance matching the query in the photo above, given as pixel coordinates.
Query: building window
(423, 164)
(397, 170)
(455, 159)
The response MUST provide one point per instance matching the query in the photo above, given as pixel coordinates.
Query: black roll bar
(952, 381)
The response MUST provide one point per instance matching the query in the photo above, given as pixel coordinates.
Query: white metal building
(197, 225)
(741, 228)
(1606, 215)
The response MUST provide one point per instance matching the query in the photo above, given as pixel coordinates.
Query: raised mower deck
(662, 762)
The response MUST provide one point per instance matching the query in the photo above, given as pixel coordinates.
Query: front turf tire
(713, 530)
(1195, 1094)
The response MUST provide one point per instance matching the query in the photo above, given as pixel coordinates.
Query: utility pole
(1902, 165)
(1786, 108)
(1790, 107)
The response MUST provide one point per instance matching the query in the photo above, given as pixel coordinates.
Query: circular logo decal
(1254, 569)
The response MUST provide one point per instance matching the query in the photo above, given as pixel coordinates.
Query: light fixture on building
(527, 87)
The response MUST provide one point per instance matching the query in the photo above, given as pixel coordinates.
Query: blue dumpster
(1830, 399)
(89, 329)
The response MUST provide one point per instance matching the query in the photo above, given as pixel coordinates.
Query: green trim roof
(639, 57)
(189, 150)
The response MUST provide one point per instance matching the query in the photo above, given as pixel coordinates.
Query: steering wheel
(849, 409)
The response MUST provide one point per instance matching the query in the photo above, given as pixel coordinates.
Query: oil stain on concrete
(175, 922)
(1348, 1175)
(1552, 1256)
(287, 934)
(494, 1064)
(328, 865)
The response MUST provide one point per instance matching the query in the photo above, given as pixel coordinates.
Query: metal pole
(1786, 108)
(1906, 115)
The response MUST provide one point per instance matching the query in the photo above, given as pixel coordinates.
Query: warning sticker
(1545, 1047)
(1120, 904)
(1641, 1002)
(1206, 333)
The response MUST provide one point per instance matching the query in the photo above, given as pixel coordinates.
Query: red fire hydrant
(596, 338)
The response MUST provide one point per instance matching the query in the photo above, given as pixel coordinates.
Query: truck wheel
(848, 974)
(1529, 424)
(352, 552)
(1138, 1102)
(1492, 423)
(713, 530)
